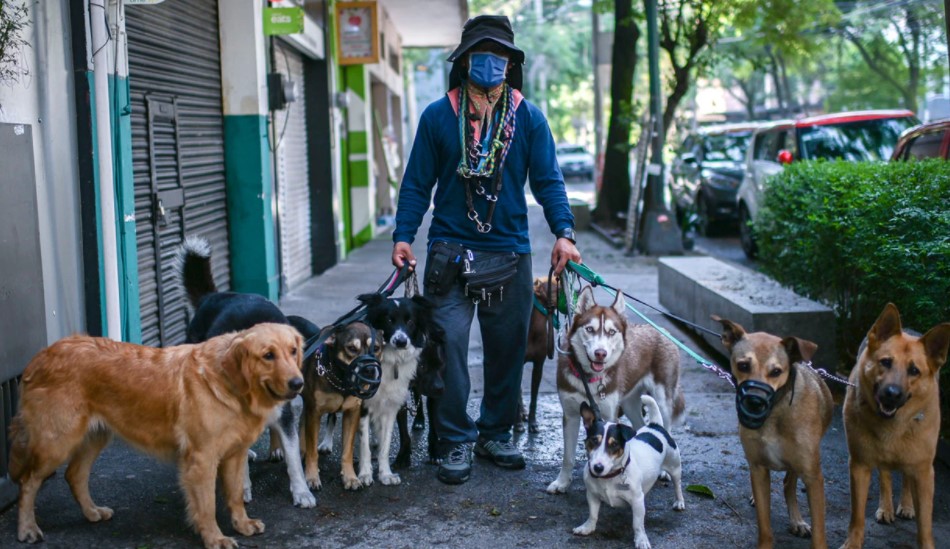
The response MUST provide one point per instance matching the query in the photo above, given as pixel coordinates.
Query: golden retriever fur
(892, 422)
(201, 406)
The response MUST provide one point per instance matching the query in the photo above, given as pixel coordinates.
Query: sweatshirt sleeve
(544, 175)
(415, 193)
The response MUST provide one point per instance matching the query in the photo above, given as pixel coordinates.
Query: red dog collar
(577, 372)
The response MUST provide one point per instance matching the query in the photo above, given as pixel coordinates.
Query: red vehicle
(852, 136)
(931, 140)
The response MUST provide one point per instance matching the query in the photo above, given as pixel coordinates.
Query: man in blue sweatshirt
(479, 253)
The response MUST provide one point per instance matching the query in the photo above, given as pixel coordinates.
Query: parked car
(706, 173)
(575, 161)
(931, 140)
(852, 136)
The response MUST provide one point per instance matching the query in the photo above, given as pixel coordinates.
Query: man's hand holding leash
(564, 251)
(402, 252)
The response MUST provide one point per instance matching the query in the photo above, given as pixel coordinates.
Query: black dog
(218, 313)
(413, 359)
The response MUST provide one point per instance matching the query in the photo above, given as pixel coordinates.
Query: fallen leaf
(701, 490)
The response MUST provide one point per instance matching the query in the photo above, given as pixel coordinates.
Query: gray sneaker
(456, 466)
(503, 454)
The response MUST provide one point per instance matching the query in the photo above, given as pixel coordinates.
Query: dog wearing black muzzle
(784, 409)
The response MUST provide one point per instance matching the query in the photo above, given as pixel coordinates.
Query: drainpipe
(100, 60)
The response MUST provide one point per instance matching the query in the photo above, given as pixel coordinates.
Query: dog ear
(626, 433)
(585, 301)
(423, 301)
(731, 331)
(799, 350)
(299, 342)
(234, 367)
(587, 413)
(620, 305)
(370, 299)
(936, 342)
(885, 327)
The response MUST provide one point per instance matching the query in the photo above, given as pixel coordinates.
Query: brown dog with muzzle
(784, 409)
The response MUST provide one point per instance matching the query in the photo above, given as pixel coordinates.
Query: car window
(853, 141)
(571, 150)
(730, 147)
(925, 146)
(768, 144)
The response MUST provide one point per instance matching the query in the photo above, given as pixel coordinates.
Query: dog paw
(325, 447)
(583, 530)
(221, 542)
(251, 455)
(96, 513)
(247, 496)
(884, 516)
(366, 479)
(907, 513)
(534, 428)
(352, 483)
(419, 425)
(558, 486)
(402, 460)
(29, 534)
(391, 479)
(435, 460)
(641, 541)
(679, 505)
(305, 500)
(518, 427)
(314, 483)
(665, 477)
(800, 529)
(751, 501)
(248, 527)
(277, 455)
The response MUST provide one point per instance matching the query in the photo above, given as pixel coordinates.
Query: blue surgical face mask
(487, 69)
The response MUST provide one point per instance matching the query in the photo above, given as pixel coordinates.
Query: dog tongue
(597, 366)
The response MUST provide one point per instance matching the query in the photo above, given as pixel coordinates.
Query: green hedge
(858, 235)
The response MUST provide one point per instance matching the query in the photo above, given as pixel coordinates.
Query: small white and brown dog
(623, 465)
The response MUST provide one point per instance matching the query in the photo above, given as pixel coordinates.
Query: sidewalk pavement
(496, 508)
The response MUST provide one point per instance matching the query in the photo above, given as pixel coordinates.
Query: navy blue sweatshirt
(434, 159)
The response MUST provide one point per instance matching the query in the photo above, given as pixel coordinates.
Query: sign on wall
(283, 21)
(357, 37)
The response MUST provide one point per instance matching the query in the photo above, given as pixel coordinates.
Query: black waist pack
(486, 274)
(442, 266)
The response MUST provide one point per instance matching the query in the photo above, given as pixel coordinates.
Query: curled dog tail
(651, 411)
(194, 260)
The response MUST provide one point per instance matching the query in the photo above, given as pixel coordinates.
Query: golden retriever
(200, 405)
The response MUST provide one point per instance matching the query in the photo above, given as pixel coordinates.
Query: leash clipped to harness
(363, 375)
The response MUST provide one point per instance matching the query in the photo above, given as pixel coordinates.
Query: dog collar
(577, 371)
(611, 474)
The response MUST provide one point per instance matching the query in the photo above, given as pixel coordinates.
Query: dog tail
(651, 411)
(194, 260)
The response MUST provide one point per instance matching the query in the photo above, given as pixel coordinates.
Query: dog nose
(400, 341)
(598, 469)
(600, 355)
(891, 394)
(296, 384)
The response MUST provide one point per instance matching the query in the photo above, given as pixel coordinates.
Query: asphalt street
(496, 508)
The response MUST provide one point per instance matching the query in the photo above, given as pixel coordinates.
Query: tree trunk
(681, 84)
(614, 193)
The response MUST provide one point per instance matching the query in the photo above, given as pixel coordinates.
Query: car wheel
(703, 224)
(745, 233)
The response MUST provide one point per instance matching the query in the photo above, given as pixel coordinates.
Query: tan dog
(892, 421)
(541, 334)
(200, 405)
(322, 395)
(781, 432)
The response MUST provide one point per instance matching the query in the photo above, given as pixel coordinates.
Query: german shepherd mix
(621, 362)
(892, 421)
(784, 411)
(201, 406)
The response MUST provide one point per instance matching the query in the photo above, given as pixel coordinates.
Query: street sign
(283, 21)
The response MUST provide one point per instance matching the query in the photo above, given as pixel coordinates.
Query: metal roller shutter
(293, 176)
(177, 153)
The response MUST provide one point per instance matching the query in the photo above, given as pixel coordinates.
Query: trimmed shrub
(856, 236)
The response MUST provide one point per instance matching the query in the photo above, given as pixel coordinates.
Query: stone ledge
(697, 287)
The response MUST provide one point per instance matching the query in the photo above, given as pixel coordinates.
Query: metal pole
(661, 235)
(598, 93)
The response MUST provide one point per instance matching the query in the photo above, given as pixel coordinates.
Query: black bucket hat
(496, 28)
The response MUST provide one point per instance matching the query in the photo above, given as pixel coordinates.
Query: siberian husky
(621, 362)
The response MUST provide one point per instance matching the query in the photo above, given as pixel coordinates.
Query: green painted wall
(253, 244)
(355, 78)
(121, 115)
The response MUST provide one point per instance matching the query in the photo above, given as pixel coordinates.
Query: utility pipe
(107, 206)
